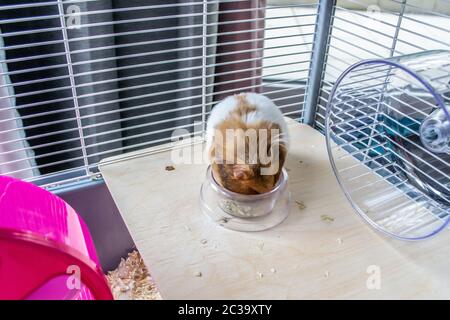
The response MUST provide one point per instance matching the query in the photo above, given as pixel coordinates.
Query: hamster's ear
(277, 149)
(281, 158)
(217, 149)
(283, 153)
(212, 153)
(216, 154)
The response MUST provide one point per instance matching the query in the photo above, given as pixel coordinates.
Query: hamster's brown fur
(244, 178)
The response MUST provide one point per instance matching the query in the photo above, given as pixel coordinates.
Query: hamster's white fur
(266, 110)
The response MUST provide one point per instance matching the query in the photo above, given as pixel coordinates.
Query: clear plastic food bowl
(245, 212)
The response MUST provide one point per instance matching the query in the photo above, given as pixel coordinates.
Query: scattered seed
(170, 168)
(203, 241)
(197, 274)
(224, 220)
(300, 205)
(326, 218)
(187, 228)
(233, 208)
(260, 275)
(339, 240)
(327, 274)
(273, 270)
(300, 161)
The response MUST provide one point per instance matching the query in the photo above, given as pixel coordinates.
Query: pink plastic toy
(46, 251)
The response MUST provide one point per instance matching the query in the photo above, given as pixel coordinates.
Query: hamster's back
(261, 109)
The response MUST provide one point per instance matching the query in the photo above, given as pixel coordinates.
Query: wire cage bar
(84, 80)
(81, 81)
(380, 29)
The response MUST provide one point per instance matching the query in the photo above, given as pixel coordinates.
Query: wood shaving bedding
(132, 281)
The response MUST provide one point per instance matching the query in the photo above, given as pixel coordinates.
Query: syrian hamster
(247, 143)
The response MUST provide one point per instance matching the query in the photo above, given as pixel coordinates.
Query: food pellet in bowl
(234, 209)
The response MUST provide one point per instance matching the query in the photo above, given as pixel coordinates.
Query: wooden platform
(304, 257)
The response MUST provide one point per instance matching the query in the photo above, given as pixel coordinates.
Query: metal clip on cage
(388, 139)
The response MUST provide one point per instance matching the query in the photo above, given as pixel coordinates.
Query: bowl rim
(281, 183)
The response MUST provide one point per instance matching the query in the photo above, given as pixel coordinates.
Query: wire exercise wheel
(388, 138)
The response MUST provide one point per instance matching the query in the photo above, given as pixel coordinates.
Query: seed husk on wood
(300, 205)
(327, 218)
